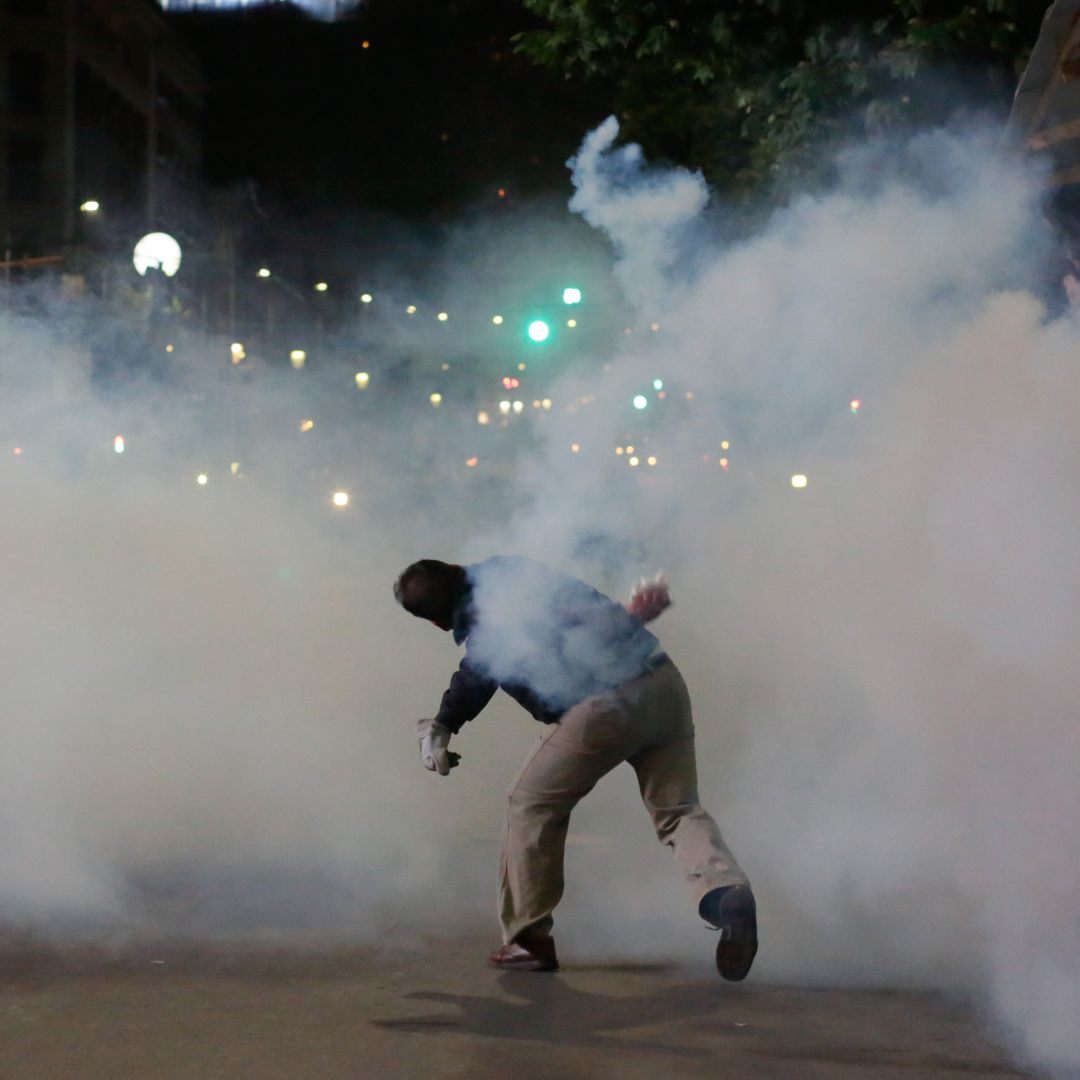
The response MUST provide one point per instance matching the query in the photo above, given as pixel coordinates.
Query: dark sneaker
(537, 954)
(731, 909)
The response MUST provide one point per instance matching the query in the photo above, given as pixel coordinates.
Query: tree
(755, 90)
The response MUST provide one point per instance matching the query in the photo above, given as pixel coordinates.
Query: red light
(18, 451)
(511, 383)
(502, 193)
(471, 462)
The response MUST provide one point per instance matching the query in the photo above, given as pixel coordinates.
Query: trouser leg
(667, 777)
(563, 768)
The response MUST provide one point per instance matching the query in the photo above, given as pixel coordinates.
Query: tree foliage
(750, 90)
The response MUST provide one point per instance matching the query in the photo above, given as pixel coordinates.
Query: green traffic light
(539, 331)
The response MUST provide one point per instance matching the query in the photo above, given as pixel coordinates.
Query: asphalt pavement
(432, 1010)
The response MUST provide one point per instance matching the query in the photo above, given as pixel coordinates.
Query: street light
(91, 206)
(157, 251)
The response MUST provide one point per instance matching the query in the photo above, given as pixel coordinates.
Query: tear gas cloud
(209, 711)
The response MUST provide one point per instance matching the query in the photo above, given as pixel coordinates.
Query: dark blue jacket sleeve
(467, 694)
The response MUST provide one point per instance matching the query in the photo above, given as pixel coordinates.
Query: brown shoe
(537, 954)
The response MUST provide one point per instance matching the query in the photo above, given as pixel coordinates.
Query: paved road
(147, 1013)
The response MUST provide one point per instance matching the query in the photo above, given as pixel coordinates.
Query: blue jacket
(547, 639)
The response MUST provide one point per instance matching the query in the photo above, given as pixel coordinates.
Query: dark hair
(430, 589)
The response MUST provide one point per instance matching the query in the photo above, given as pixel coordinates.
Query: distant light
(365, 44)
(497, 320)
(575, 448)
(17, 451)
(234, 468)
(571, 323)
(546, 403)
(629, 449)
(483, 418)
(504, 407)
(202, 479)
(298, 358)
(237, 350)
(435, 399)
(689, 395)
(658, 384)
(650, 460)
(799, 481)
(502, 193)
(157, 251)
(619, 450)
(536, 404)
(662, 395)
(654, 326)
(539, 331)
(118, 444)
(362, 379)
(510, 382)
(321, 286)
(856, 405)
(91, 206)
(519, 406)
(169, 348)
(521, 366)
(635, 462)
(442, 316)
(340, 499)
(472, 462)
(306, 425)
(724, 463)
(571, 296)
(725, 445)
(641, 402)
(262, 272)
(411, 309)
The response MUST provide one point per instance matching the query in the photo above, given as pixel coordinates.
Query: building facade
(100, 124)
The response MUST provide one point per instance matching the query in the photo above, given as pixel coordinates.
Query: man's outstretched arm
(465, 697)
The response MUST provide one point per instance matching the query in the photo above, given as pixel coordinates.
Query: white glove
(434, 743)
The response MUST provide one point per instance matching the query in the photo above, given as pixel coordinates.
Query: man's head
(430, 589)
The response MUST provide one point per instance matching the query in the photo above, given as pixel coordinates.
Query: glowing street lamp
(362, 380)
(262, 272)
(91, 206)
(641, 402)
(571, 296)
(340, 499)
(157, 251)
(799, 481)
(366, 298)
(298, 358)
(321, 286)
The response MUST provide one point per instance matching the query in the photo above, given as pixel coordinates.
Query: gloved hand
(434, 740)
(649, 598)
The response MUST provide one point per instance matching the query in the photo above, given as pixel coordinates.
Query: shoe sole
(524, 965)
(738, 944)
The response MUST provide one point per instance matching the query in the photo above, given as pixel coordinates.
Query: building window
(26, 83)
(26, 169)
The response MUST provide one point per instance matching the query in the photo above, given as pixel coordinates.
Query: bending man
(588, 668)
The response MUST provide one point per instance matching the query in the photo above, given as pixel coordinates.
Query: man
(587, 667)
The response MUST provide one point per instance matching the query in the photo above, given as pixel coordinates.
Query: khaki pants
(647, 723)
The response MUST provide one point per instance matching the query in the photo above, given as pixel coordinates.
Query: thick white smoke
(880, 662)
(207, 719)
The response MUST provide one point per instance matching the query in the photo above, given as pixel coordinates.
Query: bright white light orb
(641, 402)
(435, 399)
(366, 298)
(119, 445)
(658, 384)
(519, 406)
(263, 272)
(91, 206)
(298, 358)
(571, 296)
(799, 481)
(442, 316)
(157, 251)
(321, 286)
(202, 479)
(504, 407)
(539, 330)
(362, 380)
(497, 320)
(340, 499)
